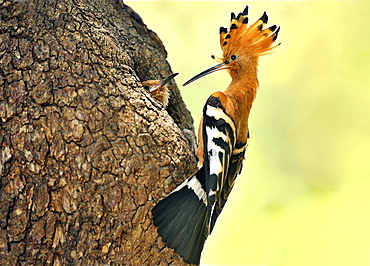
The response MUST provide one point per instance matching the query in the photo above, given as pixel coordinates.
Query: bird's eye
(146, 87)
(233, 57)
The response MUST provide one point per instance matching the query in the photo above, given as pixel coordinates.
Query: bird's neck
(243, 87)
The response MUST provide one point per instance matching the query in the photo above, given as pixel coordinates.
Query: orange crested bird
(158, 89)
(187, 216)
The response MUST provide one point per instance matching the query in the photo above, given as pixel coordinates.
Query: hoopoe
(158, 89)
(187, 216)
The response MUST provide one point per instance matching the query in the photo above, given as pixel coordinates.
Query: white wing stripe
(215, 165)
(218, 113)
(194, 184)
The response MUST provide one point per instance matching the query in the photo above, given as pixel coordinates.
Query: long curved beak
(164, 81)
(210, 70)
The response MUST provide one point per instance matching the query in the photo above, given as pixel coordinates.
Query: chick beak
(164, 81)
(210, 70)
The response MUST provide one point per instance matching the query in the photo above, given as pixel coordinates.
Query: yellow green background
(304, 195)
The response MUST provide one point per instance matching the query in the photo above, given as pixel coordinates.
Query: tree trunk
(85, 151)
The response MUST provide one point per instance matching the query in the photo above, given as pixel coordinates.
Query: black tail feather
(165, 225)
(181, 223)
(182, 220)
(161, 207)
(201, 226)
(193, 233)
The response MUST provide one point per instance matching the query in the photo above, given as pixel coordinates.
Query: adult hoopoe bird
(158, 89)
(187, 216)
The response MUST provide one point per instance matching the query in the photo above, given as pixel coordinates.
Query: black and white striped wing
(187, 216)
(235, 168)
(219, 136)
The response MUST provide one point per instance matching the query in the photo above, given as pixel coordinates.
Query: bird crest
(242, 43)
(254, 39)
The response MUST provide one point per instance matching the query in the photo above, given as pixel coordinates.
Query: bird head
(158, 88)
(153, 85)
(242, 44)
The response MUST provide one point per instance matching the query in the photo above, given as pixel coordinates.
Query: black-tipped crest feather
(232, 16)
(223, 30)
(273, 27)
(276, 34)
(245, 11)
(254, 39)
(264, 17)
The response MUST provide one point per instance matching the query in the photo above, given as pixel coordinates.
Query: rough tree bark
(85, 151)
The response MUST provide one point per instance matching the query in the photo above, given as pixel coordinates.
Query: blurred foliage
(303, 197)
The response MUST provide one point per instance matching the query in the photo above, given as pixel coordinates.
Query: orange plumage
(241, 46)
(188, 215)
